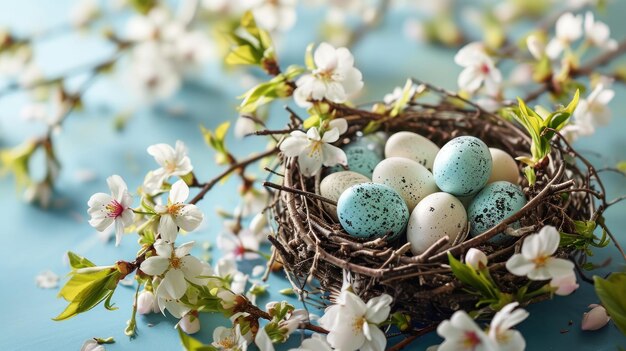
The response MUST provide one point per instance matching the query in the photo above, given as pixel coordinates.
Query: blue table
(36, 240)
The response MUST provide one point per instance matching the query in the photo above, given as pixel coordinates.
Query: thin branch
(299, 192)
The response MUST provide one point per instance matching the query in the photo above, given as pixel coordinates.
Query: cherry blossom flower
(229, 339)
(598, 33)
(500, 328)
(595, 319)
(568, 29)
(476, 259)
(536, 261)
(178, 214)
(47, 280)
(176, 266)
(190, 323)
(353, 324)
(173, 161)
(106, 210)
(316, 342)
(244, 245)
(462, 334)
(595, 107)
(314, 150)
(147, 303)
(398, 93)
(479, 69)
(263, 341)
(275, 15)
(227, 268)
(50, 112)
(334, 78)
(252, 202)
(92, 345)
(173, 305)
(564, 285)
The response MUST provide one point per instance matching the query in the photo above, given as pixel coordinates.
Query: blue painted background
(34, 240)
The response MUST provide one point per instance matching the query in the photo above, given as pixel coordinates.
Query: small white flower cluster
(271, 15)
(164, 48)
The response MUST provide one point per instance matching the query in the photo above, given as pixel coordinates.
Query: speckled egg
(497, 201)
(410, 179)
(462, 166)
(504, 167)
(370, 211)
(412, 146)
(333, 185)
(375, 142)
(361, 159)
(436, 216)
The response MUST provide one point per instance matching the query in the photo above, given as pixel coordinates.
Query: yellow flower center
(357, 325)
(540, 261)
(227, 343)
(174, 208)
(175, 262)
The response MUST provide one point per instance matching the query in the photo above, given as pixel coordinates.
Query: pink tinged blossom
(564, 285)
(479, 69)
(106, 210)
(595, 319)
(461, 333)
(147, 303)
(190, 323)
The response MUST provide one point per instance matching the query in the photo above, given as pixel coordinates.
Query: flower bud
(146, 303)
(564, 285)
(476, 259)
(190, 323)
(595, 319)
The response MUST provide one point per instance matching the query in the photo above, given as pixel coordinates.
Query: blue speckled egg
(462, 166)
(361, 159)
(375, 142)
(497, 201)
(370, 211)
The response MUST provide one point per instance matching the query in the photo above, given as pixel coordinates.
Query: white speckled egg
(412, 146)
(410, 179)
(370, 211)
(463, 166)
(333, 185)
(496, 202)
(436, 216)
(504, 167)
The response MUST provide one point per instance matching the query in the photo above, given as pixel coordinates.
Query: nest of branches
(316, 252)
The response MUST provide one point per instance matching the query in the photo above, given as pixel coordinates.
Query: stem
(414, 335)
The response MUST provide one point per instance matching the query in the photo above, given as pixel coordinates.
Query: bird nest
(317, 253)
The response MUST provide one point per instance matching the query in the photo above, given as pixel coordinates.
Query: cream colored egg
(504, 167)
(412, 146)
(410, 179)
(436, 216)
(333, 185)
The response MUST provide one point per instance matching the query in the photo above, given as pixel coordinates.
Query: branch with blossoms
(170, 279)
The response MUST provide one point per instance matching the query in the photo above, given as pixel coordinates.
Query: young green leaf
(612, 293)
(192, 344)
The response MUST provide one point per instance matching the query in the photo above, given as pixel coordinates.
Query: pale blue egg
(370, 211)
(462, 166)
(361, 159)
(496, 202)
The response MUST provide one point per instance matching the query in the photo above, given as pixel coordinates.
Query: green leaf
(308, 57)
(77, 262)
(192, 344)
(612, 293)
(243, 55)
(468, 275)
(572, 105)
(622, 166)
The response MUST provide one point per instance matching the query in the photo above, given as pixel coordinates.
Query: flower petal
(174, 283)
(377, 340)
(118, 187)
(519, 265)
(558, 267)
(168, 228)
(333, 155)
(155, 265)
(188, 217)
(378, 308)
(179, 192)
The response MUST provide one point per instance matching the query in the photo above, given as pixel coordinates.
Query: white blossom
(252, 202)
(190, 323)
(536, 261)
(353, 324)
(535, 46)
(334, 78)
(147, 303)
(176, 266)
(229, 339)
(594, 108)
(398, 92)
(244, 126)
(564, 285)
(461, 333)
(500, 330)
(173, 162)
(50, 112)
(274, 15)
(479, 69)
(263, 341)
(47, 280)
(314, 150)
(598, 33)
(595, 319)
(244, 245)
(106, 209)
(177, 213)
(569, 28)
(316, 342)
(92, 345)
(476, 259)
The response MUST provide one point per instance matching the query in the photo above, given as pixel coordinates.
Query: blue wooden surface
(36, 240)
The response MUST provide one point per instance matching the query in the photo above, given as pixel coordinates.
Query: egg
(436, 216)
(361, 159)
(462, 166)
(496, 202)
(374, 142)
(410, 179)
(370, 211)
(333, 185)
(504, 167)
(412, 146)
